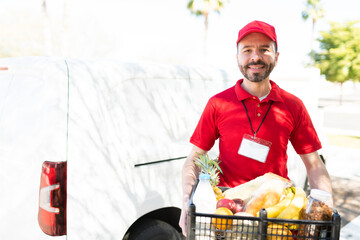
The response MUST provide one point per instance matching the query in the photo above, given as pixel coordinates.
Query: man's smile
(256, 68)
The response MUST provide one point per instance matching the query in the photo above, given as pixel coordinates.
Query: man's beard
(257, 77)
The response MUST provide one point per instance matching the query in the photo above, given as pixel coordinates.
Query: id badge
(254, 148)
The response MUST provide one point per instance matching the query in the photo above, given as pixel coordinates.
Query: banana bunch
(293, 210)
(274, 211)
(290, 206)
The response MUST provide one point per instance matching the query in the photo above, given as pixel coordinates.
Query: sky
(165, 31)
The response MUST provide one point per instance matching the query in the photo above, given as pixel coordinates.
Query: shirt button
(254, 97)
(258, 114)
(258, 105)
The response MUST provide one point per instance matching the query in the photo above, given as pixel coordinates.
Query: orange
(222, 223)
(277, 232)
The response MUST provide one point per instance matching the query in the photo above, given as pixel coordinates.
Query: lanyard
(261, 121)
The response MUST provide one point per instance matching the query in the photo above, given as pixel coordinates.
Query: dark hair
(276, 48)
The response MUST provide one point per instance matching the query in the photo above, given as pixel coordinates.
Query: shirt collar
(274, 94)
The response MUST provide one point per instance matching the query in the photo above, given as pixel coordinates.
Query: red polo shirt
(224, 118)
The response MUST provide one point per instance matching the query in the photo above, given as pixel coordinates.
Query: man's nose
(255, 56)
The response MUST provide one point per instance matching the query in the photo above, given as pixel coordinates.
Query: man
(254, 120)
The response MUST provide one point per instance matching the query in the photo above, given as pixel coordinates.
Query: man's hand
(189, 174)
(183, 216)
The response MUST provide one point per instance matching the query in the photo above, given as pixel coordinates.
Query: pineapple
(211, 167)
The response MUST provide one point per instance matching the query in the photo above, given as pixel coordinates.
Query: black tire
(152, 229)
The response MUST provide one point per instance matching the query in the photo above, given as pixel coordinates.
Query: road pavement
(340, 108)
(344, 168)
(343, 163)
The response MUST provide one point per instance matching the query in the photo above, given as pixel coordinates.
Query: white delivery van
(105, 141)
(93, 149)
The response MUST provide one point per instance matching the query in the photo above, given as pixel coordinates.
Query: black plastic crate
(201, 226)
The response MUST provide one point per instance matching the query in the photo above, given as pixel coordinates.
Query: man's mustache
(256, 63)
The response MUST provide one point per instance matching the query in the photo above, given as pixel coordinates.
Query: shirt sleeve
(304, 137)
(206, 131)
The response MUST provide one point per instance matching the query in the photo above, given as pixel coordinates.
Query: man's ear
(237, 58)
(276, 58)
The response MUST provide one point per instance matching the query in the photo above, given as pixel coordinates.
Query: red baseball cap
(259, 27)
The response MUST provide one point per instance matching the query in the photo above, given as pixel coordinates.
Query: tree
(203, 8)
(339, 55)
(314, 11)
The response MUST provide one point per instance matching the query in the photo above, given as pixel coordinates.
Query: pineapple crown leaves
(206, 164)
(209, 166)
(214, 177)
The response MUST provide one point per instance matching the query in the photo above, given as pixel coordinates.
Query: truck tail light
(52, 198)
